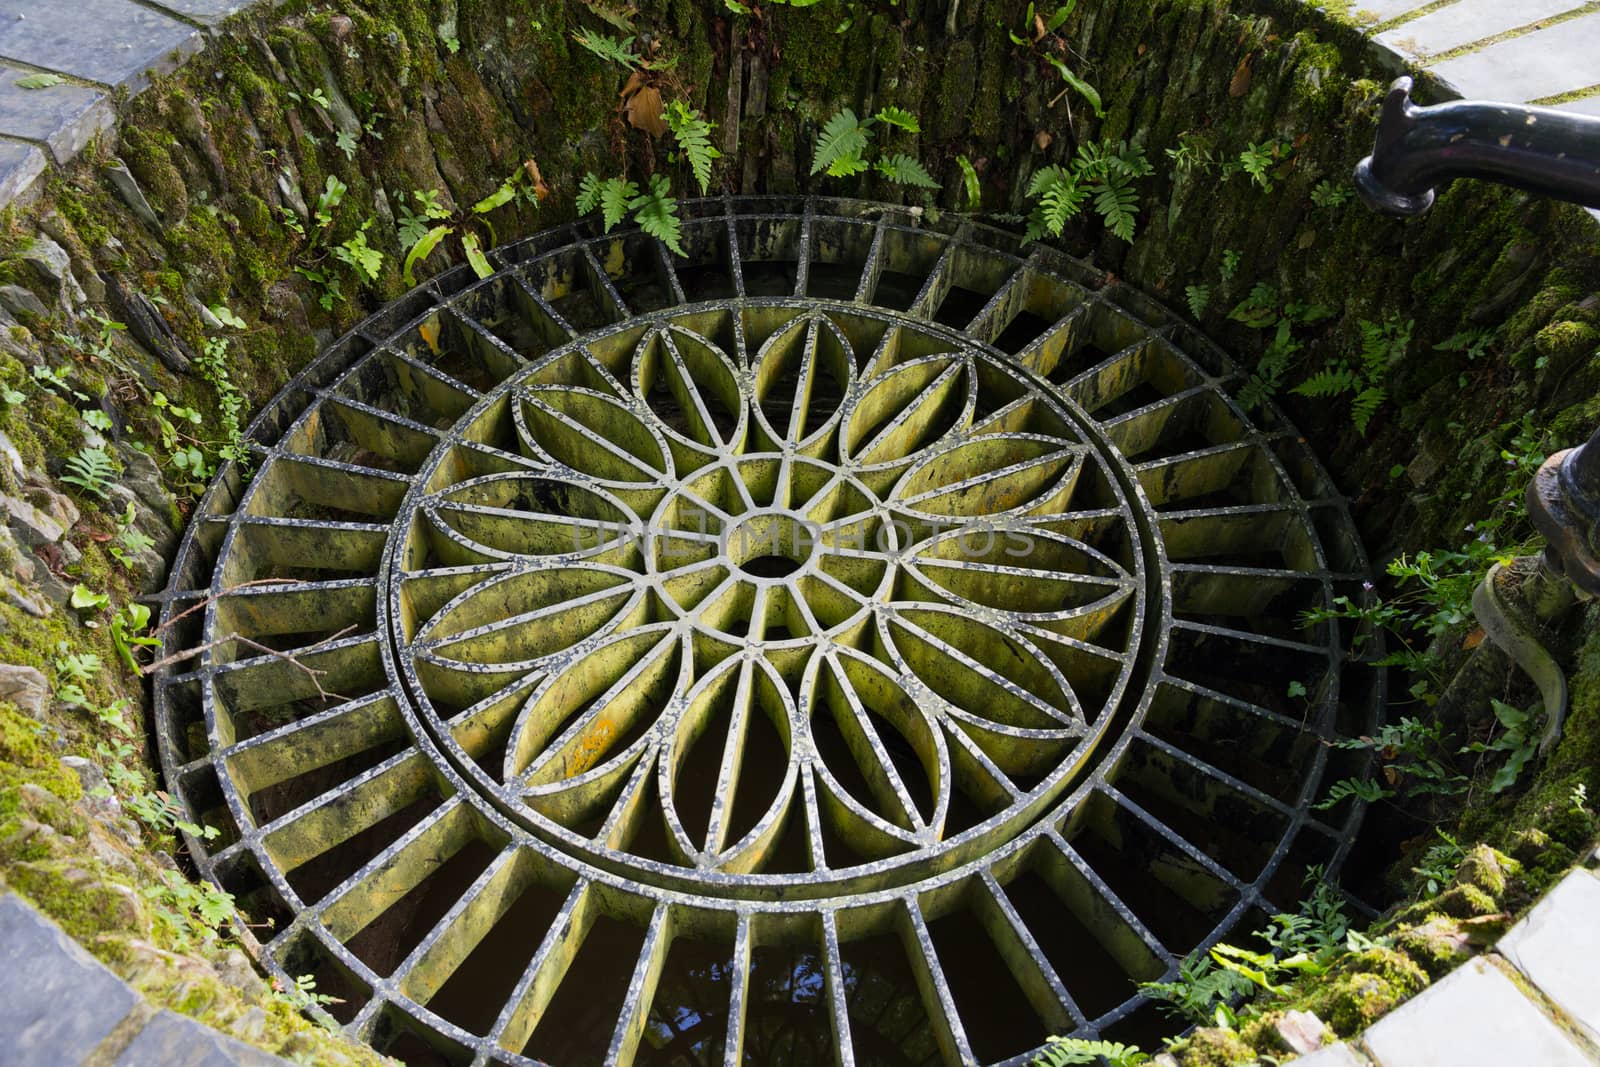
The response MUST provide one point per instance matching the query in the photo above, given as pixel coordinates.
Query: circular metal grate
(859, 640)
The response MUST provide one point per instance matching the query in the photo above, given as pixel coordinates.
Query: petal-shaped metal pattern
(848, 602)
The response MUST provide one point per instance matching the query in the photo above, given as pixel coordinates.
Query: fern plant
(611, 49)
(656, 212)
(1382, 344)
(904, 170)
(1101, 175)
(693, 134)
(1259, 160)
(654, 209)
(1200, 992)
(841, 148)
(92, 470)
(611, 195)
(1062, 1051)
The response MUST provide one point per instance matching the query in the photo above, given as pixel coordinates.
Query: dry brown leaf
(1041, 140)
(1240, 83)
(1473, 640)
(430, 333)
(1038, 28)
(541, 189)
(644, 111)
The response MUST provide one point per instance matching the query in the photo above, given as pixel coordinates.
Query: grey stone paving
(171, 1040)
(1467, 21)
(1473, 1016)
(1547, 62)
(64, 118)
(60, 1007)
(1562, 956)
(110, 42)
(42, 970)
(208, 12)
(1376, 11)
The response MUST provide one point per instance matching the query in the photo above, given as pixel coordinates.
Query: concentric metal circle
(854, 625)
(852, 543)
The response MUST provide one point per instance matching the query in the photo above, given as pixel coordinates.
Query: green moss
(148, 160)
(1566, 340)
(1210, 1047)
(25, 758)
(1363, 987)
(87, 906)
(1437, 947)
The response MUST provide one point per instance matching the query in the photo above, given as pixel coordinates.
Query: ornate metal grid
(717, 638)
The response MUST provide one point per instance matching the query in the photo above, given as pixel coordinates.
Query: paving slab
(1468, 21)
(1557, 945)
(1375, 11)
(42, 970)
(171, 1040)
(64, 117)
(113, 42)
(1547, 62)
(1474, 1017)
(1334, 1056)
(1588, 106)
(20, 164)
(208, 12)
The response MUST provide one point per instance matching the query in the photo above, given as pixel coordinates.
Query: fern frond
(1330, 381)
(616, 197)
(694, 137)
(92, 470)
(905, 170)
(1365, 405)
(610, 49)
(1119, 206)
(588, 193)
(839, 149)
(656, 212)
(898, 116)
(1045, 178)
(1199, 297)
(1061, 202)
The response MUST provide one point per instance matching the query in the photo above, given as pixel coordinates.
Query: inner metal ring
(963, 605)
(647, 677)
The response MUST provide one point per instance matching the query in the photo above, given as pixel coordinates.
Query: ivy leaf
(86, 599)
(904, 170)
(422, 249)
(226, 316)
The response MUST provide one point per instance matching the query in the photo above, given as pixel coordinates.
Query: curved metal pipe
(1520, 640)
(1556, 153)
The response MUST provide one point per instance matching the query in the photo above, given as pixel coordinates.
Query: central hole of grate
(771, 545)
(770, 566)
